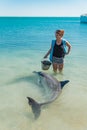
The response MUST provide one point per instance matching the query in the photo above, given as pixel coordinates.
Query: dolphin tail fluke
(63, 83)
(36, 107)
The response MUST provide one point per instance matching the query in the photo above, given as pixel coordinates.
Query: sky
(43, 7)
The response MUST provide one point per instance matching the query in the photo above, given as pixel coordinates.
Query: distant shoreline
(40, 16)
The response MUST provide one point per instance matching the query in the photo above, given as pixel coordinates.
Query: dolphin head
(36, 107)
(39, 73)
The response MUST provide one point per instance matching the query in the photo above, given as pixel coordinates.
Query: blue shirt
(52, 45)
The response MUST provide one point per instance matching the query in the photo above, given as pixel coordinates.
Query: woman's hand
(66, 53)
(45, 57)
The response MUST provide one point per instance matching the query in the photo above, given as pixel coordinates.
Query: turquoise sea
(23, 43)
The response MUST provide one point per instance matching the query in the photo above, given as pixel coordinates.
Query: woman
(57, 51)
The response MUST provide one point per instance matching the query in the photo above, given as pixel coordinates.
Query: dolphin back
(54, 85)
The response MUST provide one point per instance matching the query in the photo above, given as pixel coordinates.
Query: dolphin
(53, 84)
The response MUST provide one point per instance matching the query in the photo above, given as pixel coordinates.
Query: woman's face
(58, 35)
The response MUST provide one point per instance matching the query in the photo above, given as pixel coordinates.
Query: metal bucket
(45, 64)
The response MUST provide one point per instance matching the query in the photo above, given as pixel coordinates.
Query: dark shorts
(58, 60)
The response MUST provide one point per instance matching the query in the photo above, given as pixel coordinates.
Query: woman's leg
(54, 67)
(60, 67)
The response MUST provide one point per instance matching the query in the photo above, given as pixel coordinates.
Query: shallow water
(67, 112)
(17, 82)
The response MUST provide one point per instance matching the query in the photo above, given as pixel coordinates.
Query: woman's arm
(69, 47)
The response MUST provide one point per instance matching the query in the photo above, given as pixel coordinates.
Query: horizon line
(35, 16)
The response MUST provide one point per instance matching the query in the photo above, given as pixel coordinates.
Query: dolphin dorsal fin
(63, 83)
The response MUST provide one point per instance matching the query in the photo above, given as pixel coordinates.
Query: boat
(83, 18)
